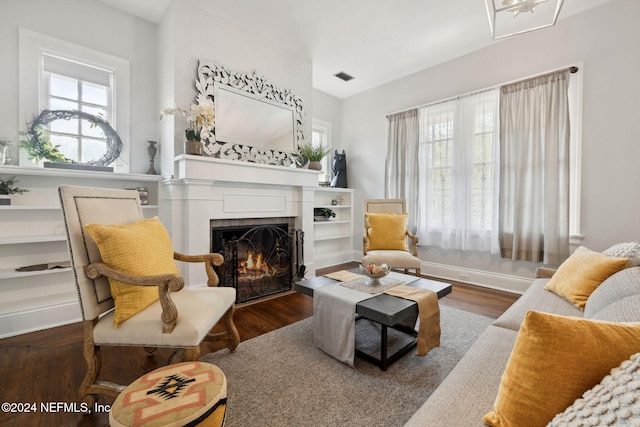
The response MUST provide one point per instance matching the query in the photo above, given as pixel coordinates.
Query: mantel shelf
(223, 170)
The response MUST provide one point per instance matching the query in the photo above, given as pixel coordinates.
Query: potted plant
(323, 214)
(314, 154)
(200, 116)
(8, 187)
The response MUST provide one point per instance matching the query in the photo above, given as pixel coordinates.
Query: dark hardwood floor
(46, 367)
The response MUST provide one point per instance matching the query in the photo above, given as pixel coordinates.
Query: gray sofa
(469, 391)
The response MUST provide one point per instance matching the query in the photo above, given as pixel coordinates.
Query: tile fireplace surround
(206, 189)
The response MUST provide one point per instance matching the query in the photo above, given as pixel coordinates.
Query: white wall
(197, 34)
(91, 24)
(606, 40)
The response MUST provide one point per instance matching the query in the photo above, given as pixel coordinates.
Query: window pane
(62, 86)
(88, 130)
(61, 104)
(96, 111)
(92, 149)
(65, 126)
(68, 146)
(94, 94)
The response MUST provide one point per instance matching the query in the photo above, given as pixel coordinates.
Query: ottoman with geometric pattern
(189, 393)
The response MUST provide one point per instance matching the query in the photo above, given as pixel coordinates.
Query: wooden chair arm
(413, 243)
(209, 261)
(166, 283)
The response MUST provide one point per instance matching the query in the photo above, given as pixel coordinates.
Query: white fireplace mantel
(208, 189)
(212, 169)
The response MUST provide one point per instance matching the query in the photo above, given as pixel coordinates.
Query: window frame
(32, 47)
(324, 128)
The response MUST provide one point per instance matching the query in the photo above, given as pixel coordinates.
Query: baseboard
(487, 279)
(37, 319)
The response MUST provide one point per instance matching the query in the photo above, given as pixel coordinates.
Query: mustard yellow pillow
(142, 248)
(582, 273)
(556, 359)
(386, 231)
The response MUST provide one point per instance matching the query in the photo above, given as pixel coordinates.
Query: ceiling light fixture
(343, 76)
(521, 16)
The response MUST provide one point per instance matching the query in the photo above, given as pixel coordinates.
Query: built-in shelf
(31, 239)
(13, 274)
(37, 171)
(333, 239)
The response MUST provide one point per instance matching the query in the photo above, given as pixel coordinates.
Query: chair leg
(234, 336)
(91, 387)
(418, 272)
(230, 335)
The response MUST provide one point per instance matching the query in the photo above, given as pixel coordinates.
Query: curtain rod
(572, 69)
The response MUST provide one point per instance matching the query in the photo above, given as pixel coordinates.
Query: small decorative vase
(194, 147)
(316, 166)
(152, 150)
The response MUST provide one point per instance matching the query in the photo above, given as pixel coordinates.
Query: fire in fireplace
(259, 260)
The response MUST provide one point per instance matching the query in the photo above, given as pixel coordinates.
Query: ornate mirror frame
(254, 86)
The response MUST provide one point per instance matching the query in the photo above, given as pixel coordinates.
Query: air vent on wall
(343, 76)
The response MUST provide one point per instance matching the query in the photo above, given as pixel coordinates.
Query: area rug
(282, 379)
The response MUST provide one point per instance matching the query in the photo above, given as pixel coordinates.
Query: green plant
(8, 186)
(324, 212)
(312, 153)
(39, 147)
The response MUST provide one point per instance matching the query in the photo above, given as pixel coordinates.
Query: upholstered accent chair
(386, 238)
(106, 229)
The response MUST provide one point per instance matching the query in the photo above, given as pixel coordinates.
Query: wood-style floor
(46, 367)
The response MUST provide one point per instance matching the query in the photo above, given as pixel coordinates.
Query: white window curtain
(401, 165)
(457, 153)
(534, 169)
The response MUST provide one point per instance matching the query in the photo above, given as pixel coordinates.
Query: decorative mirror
(255, 121)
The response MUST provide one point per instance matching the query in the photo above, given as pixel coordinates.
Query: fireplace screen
(258, 261)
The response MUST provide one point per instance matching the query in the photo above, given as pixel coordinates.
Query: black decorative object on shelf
(339, 170)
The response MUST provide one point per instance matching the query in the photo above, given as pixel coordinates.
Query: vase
(194, 147)
(316, 166)
(152, 150)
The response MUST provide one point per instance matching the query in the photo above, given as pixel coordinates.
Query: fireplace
(260, 259)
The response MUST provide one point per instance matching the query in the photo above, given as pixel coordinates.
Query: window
(55, 74)
(457, 140)
(68, 85)
(321, 134)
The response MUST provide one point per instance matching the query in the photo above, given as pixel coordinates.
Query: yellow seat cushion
(141, 248)
(386, 231)
(556, 359)
(582, 273)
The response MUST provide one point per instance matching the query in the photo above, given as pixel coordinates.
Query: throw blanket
(334, 320)
(428, 314)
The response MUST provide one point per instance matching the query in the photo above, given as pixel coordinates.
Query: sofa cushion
(467, 393)
(615, 401)
(535, 298)
(624, 310)
(582, 273)
(556, 359)
(623, 284)
(142, 248)
(629, 250)
(386, 231)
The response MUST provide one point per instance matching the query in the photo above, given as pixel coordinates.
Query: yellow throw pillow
(142, 248)
(556, 359)
(386, 231)
(582, 273)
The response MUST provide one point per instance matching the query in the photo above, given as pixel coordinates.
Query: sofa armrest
(544, 272)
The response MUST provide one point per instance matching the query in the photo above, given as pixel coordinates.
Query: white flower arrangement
(199, 116)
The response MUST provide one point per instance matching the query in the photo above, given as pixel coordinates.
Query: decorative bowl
(374, 273)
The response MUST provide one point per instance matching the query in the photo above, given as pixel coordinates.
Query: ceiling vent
(343, 76)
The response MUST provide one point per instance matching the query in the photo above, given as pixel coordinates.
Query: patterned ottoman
(189, 393)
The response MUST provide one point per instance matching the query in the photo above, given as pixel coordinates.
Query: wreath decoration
(39, 146)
